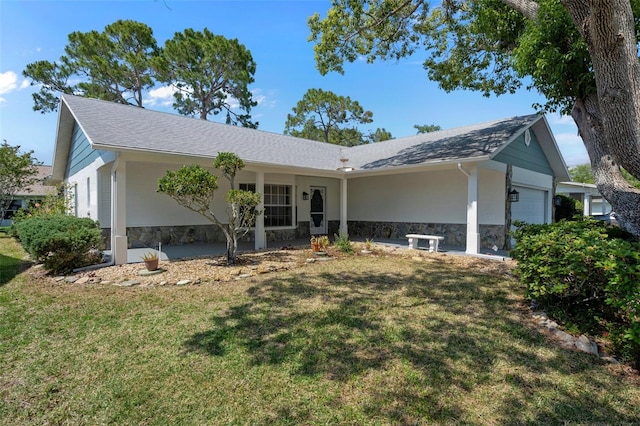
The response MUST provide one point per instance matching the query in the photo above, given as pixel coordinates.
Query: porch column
(587, 204)
(473, 228)
(119, 243)
(344, 228)
(260, 234)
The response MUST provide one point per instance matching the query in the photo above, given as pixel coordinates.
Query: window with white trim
(278, 208)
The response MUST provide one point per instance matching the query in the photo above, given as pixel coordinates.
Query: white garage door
(531, 207)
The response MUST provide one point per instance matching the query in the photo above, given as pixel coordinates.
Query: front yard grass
(358, 340)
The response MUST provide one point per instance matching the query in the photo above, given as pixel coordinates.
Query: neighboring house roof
(40, 188)
(587, 188)
(117, 127)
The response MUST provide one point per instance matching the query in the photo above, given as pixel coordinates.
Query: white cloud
(8, 82)
(264, 100)
(162, 96)
(25, 83)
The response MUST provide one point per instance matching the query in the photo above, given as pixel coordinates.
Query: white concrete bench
(434, 240)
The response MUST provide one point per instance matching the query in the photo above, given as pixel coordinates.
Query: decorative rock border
(568, 341)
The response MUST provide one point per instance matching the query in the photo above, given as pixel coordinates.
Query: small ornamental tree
(194, 187)
(17, 172)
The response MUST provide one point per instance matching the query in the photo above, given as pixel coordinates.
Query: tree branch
(528, 8)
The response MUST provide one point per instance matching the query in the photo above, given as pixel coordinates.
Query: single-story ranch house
(593, 202)
(29, 196)
(455, 183)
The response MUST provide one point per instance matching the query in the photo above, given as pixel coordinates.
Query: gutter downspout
(462, 170)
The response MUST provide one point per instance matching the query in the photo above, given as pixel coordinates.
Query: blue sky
(398, 93)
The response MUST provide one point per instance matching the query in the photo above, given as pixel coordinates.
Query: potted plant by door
(151, 260)
(315, 243)
(323, 241)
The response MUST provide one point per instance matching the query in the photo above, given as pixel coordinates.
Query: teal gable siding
(80, 154)
(531, 157)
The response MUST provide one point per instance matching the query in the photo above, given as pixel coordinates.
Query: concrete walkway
(198, 250)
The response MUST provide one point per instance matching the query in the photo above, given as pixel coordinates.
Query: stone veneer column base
(150, 236)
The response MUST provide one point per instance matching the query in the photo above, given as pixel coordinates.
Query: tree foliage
(581, 173)
(381, 134)
(212, 74)
(426, 128)
(324, 116)
(194, 188)
(582, 56)
(18, 170)
(113, 65)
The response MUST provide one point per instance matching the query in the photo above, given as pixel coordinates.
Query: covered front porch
(187, 251)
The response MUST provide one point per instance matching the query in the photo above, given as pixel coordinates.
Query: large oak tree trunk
(624, 198)
(609, 122)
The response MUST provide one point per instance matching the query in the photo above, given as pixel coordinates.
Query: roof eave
(64, 131)
(417, 167)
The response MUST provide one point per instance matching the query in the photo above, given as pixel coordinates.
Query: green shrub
(587, 271)
(61, 242)
(568, 208)
(57, 202)
(342, 243)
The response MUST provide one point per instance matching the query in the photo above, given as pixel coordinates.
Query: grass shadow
(445, 330)
(11, 264)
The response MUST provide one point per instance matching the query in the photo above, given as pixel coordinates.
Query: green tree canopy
(212, 75)
(582, 56)
(194, 188)
(581, 173)
(18, 170)
(427, 128)
(113, 65)
(324, 116)
(381, 134)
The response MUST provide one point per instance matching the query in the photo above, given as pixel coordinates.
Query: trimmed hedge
(589, 272)
(62, 243)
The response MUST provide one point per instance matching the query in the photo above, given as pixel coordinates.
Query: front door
(318, 216)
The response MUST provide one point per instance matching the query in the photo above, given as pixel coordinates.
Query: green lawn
(350, 341)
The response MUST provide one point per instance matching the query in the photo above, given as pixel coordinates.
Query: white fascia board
(433, 165)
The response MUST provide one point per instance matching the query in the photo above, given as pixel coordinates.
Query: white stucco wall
(147, 207)
(430, 197)
(85, 186)
(491, 194)
(435, 197)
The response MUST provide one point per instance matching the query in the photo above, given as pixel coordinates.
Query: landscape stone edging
(131, 282)
(568, 341)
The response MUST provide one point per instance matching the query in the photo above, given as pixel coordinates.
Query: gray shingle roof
(40, 187)
(475, 141)
(114, 126)
(109, 125)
